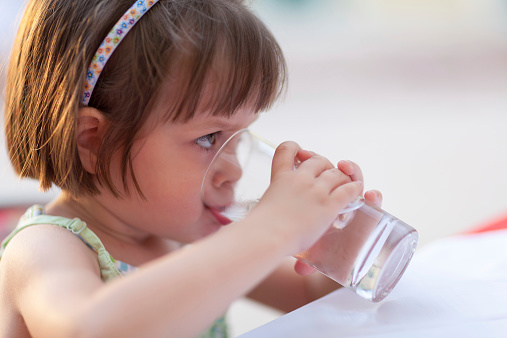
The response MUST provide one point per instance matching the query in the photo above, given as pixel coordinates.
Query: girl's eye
(206, 141)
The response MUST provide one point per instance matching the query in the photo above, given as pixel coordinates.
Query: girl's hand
(301, 203)
(372, 196)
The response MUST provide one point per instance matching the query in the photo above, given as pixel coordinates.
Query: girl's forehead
(242, 118)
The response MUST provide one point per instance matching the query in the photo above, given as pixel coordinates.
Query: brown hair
(182, 39)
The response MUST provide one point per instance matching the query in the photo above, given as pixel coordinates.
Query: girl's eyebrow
(216, 124)
(229, 125)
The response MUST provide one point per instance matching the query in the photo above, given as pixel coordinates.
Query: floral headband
(112, 40)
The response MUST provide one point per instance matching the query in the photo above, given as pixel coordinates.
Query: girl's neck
(123, 242)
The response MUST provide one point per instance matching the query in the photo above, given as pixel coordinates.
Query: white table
(454, 287)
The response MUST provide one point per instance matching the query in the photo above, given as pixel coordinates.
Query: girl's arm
(56, 284)
(286, 290)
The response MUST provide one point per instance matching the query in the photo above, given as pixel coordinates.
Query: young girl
(126, 124)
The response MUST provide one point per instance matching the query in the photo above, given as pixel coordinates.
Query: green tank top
(109, 267)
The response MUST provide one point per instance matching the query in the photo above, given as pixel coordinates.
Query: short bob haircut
(185, 40)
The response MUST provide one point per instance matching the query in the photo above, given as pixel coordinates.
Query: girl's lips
(219, 217)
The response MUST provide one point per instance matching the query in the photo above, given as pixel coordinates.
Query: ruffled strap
(36, 215)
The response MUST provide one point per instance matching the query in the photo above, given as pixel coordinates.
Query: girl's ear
(90, 130)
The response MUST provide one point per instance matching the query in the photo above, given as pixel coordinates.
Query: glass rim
(226, 143)
(215, 157)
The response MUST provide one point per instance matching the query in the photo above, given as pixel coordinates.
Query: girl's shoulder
(34, 255)
(58, 240)
(44, 266)
(44, 247)
(36, 230)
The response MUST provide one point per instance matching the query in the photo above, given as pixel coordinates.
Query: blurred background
(415, 92)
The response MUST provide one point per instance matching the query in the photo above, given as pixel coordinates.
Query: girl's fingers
(303, 155)
(351, 169)
(289, 154)
(346, 193)
(334, 177)
(283, 159)
(316, 165)
(338, 178)
(374, 197)
(303, 269)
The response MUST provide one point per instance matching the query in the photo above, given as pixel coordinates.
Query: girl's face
(170, 160)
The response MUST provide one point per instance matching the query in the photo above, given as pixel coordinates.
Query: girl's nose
(227, 171)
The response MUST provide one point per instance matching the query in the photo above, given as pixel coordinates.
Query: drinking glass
(365, 249)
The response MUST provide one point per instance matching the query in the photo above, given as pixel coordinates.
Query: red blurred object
(9, 218)
(496, 224)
